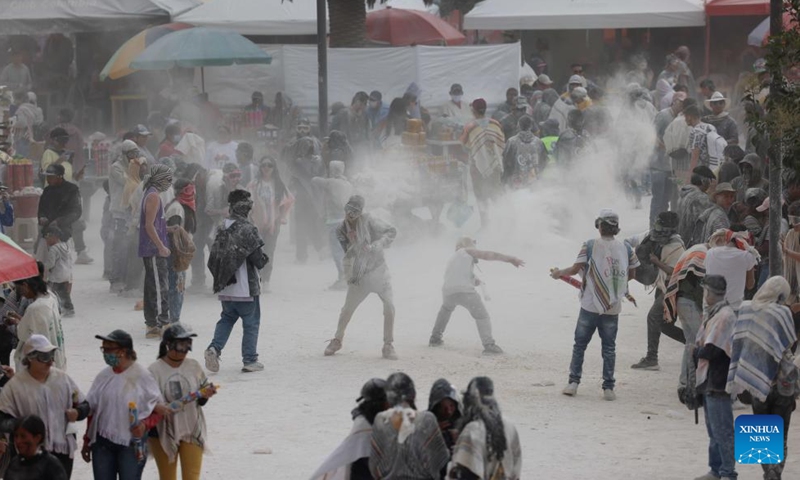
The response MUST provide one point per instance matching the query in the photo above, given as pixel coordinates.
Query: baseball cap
(479, 104)
(120, 337)
(37, 343)
(177, 331)
(544, 79)
(129, 145)
(141, 130)
(579, 92)
(765, 206)
(54, 170)
(456, 89)
(609, 216)
(230, 168)
(376, 96)
(715, 284)
(576, 80)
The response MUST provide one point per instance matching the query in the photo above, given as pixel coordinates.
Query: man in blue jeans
(606, 264)
(235, 259)
(712, 354)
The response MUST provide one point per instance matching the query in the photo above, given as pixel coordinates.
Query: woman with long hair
(43, 317)
(488, 446)
(184, 386)
(391, 135)
(272, 203)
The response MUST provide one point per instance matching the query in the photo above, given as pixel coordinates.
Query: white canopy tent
(256, 17)
(584, 14)
(31, 17)
(270, 17)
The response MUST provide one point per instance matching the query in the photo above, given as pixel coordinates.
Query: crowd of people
(460, 437)
(196, 207)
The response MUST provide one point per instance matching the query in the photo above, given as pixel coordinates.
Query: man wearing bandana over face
(154, 250)
(235, 259)
(666, 249)
(363, 238)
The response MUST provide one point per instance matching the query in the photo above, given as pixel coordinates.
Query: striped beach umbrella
(120, 63)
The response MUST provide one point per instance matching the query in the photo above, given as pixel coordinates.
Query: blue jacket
(7, 217)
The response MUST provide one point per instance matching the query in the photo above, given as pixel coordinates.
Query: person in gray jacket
(363, 239)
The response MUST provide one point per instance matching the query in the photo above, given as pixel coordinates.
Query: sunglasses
(43, 357)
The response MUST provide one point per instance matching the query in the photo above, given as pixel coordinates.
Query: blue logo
(759, 439)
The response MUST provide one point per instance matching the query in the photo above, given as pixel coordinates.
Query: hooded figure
(762, 362)
(541, 112)
(350, 460)
(444, 403)
(406, 443)
(752, 176)
(524, 156)
(488, 446)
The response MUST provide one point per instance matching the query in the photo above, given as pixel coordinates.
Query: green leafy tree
(780, 121)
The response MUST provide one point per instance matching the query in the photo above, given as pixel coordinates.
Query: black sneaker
(646, 364)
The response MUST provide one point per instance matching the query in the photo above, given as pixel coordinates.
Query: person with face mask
(39, 389)
(111, 442)
(662, 248)
(154, 250)
(363, 238)
(181, 436)
(235, 259)
(172, 136)
(457, 108)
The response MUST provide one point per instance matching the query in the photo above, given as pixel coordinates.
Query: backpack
(182, 248)
(647, 272)
(788, 381)
(589, 246)
(716, 146)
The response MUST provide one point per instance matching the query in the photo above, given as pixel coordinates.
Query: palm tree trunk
(348, 23)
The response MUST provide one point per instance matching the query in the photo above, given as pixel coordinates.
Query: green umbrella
(200, 47)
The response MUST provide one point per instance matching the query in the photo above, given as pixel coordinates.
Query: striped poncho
(764, 331)
(485, 141)
(692, 261)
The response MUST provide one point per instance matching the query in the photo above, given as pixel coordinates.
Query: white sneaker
(84, 258)
(571, 389)
(252, 367)
(212, 360)
(609, 395)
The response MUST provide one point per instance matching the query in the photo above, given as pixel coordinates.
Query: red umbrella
(16, 263)
(399, 27)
